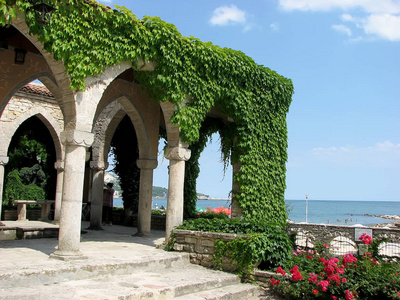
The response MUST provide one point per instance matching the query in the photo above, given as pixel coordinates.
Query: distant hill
(159, 192)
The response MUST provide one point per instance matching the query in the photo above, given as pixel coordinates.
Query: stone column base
(66, 256)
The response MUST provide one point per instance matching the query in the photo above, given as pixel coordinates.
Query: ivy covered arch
(192, 75)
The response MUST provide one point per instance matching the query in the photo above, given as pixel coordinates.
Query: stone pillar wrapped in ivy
(146, 167)
(76, 143)
(3, 162)
(177, 157)
(59, 166)
(96, 206)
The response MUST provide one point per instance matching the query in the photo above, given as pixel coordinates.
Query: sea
(319, 211)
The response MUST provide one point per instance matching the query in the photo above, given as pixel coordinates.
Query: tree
(31, 163)
(124, 146)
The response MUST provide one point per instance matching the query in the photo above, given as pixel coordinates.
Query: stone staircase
(171, 277)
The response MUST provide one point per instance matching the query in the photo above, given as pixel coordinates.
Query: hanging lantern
(42, 11)
(19, 58)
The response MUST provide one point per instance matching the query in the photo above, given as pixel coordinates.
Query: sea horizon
(333, 212)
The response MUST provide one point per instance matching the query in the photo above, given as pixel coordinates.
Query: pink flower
(333, 297)
(334, 277)
(313, 278)
(280, 271)
(324, 285)
(349, 258)
(326, 246)
(344, 280)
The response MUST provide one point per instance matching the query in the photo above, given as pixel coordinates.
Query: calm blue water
(319, 211)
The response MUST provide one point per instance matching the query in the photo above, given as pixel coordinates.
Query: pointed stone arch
(9, 128)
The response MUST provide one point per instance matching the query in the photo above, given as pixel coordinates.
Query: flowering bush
(318, 275)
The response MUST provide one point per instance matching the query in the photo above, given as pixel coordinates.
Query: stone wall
(200, 246)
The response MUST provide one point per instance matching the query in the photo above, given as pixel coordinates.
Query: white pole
(306, 208)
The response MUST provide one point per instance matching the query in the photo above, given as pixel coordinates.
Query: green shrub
(16, 190)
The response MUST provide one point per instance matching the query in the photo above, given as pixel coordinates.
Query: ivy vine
(203, 75)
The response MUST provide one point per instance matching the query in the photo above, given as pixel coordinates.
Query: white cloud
(385, 154)
(386, 26)
(380, 18)
(227, 15)
(369, 6)
(342, 28)
(274, 26)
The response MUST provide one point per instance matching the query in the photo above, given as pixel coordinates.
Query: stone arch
(46, 78)
(48, 120)
(107, 122)
(61, 79)
(173, 138)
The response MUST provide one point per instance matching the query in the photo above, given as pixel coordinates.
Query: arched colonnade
(80, 121)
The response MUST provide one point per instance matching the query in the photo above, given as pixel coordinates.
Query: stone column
(96, 206)
(146, 167)
(3, 162)
(236, 210)
(177, 157)
(59, 166)
(75, 143)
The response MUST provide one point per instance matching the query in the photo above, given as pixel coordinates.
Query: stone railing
(345, 238)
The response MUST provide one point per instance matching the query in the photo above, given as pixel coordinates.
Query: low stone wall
(157, 222)
(200, 246)
(33, 214)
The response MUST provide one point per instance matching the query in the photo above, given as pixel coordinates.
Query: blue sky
(344, 59)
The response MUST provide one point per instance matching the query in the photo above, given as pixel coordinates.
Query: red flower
(294, 269)
(367, 240)
(315, 291)
(280, 271)
(296, 276)
(274, 282)
(308, 256)
(344, 280)
(333, 297)
(349, 296)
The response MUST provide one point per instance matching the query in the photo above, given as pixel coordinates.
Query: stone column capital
(77, 138)
(177, 153)
(3, 160)
(59, 165)
(99, 165)
(150, 164)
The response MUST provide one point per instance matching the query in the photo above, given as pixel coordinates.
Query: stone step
(64, 271)
(189, 282)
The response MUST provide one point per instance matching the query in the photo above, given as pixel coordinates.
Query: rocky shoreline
(395, 218)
